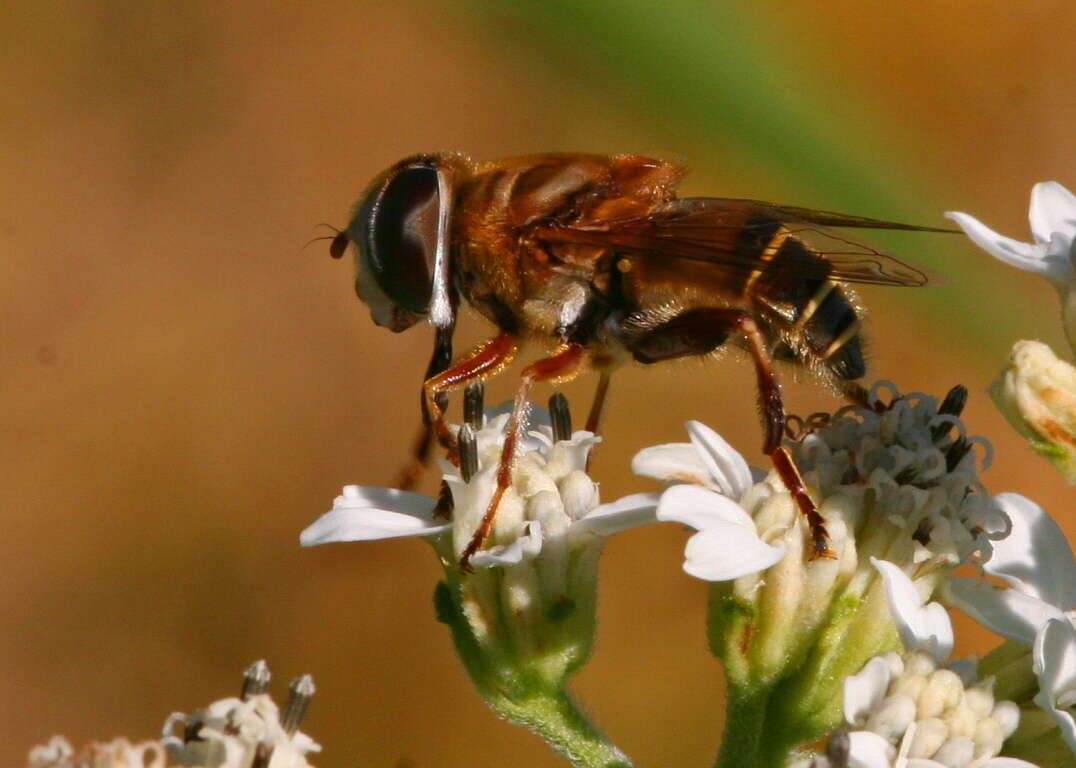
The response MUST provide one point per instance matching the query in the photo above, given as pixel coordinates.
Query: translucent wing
(747, 234)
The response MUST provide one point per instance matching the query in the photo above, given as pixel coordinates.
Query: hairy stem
(743, 744)
(555, 717)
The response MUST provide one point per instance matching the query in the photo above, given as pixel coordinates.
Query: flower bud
(1036, 392)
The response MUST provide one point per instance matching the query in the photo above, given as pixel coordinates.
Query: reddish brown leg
(597, 407)
(773, 423)
(563, 365)
(790, 476)
(698, 331)
(484, 360)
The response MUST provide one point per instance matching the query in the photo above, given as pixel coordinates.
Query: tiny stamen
(952, 405)
(922, 532)
(561, 416)
(954, 401)
(473, 397)
(255, 679)
(957, 451)
(300, 692)
(467, 444)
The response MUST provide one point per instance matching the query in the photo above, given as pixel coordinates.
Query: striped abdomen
(809, 316)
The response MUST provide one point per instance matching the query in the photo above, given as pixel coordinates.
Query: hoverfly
(596, 259)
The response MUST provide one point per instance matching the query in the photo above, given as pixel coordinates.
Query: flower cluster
(914, 708)
(118, 753)
(248, 731)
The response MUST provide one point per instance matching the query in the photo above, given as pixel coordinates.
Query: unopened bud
(1037, 394)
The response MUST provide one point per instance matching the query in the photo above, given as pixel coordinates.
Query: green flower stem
(554, 716)
(745, 743)
(525, 692)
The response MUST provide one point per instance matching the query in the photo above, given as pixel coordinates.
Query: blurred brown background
(185, 387)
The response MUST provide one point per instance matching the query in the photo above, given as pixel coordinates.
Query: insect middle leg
(698, 331)
(561, 366)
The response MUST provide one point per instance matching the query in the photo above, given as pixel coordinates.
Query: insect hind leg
(699, 331)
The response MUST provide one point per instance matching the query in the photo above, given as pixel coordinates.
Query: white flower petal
(727, 467)
(1055, 666)
(1035, 557)
(1052, 210)
(869, 750)
(864, 691)
(924, 628)
(620, 515)
(701, 508)
(938, 631)
(405, 502)
(365, 513)
(670, 462)
(523, 547)
(726, 551)
(1007, 612)
(1026, 256)
(1005, 762)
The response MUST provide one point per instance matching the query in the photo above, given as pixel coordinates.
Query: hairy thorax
(532, 287)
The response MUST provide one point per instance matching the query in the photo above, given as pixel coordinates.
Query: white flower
(907, 711)
(236, 733)
(118, 753)
(714, 478)
(244, 732)
(1053, 224)
(528, 610)
(898, 482)
(1035, 560)
(551, 504)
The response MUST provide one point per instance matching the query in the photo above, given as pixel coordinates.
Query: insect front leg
(484, 360)
(422, 451)
(561, 366)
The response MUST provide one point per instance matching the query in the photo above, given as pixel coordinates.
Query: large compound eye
(398, 238)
